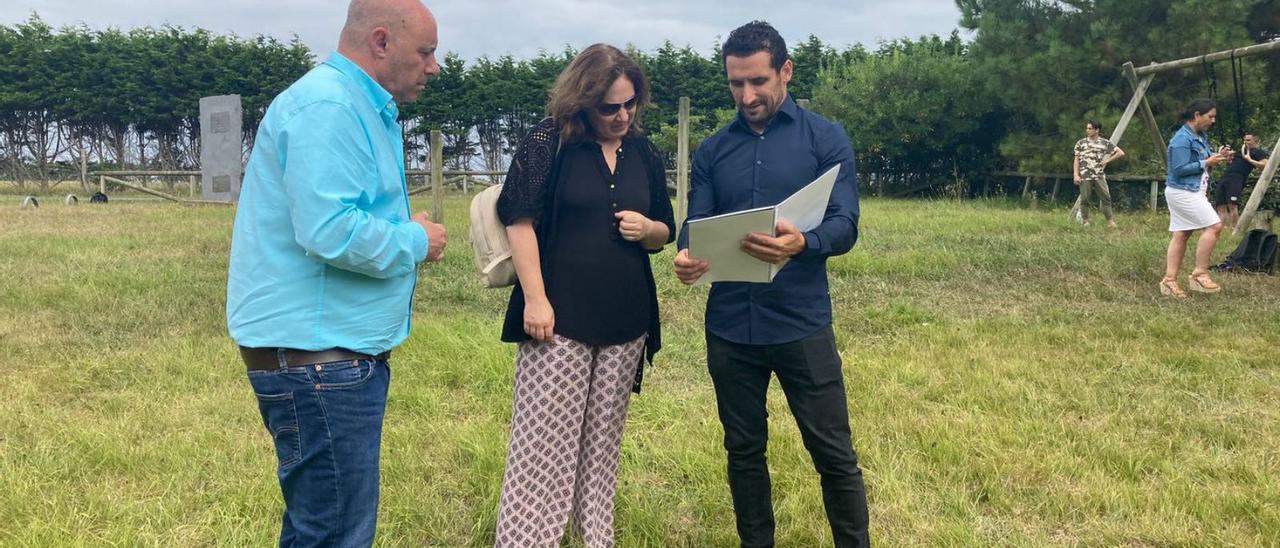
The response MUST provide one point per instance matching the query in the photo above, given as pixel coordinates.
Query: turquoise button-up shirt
(324, 252)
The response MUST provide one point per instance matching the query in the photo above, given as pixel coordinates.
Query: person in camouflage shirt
(1092, 154)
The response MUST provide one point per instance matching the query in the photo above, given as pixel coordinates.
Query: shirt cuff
(812, 245)
(418, 241)
(1204, 164)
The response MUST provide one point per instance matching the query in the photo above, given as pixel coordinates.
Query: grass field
(1014, 380)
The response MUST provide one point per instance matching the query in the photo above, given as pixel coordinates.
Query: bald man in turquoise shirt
(324, 259)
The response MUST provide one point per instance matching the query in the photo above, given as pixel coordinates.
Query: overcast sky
(472, 28)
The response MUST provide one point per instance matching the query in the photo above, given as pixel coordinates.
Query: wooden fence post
(84, 166)
(682, 163)
(437, 175)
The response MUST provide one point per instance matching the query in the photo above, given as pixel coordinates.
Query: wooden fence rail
(1032, 179)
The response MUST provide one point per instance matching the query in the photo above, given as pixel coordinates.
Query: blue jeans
(326, 421)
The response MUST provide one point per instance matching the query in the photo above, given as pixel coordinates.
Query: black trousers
(810, 375)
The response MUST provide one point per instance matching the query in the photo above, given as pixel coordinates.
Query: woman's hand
(539, 318)
(633, 226)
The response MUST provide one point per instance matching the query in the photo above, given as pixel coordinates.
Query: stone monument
(221, 156)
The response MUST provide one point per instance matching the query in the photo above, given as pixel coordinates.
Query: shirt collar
(788, 111)
(378, 96)
(789, 108)
(1199, 135)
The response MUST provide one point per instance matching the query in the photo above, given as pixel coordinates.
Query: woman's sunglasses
(609, 109)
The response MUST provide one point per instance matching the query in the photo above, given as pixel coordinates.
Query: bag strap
(495, 262)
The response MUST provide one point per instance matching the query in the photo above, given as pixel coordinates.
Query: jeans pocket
(280, 416)
(345, 374)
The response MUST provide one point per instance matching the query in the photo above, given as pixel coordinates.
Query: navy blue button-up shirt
(738, 169)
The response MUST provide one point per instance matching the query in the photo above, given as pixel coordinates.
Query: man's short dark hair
(1096, 125)
(754, 37)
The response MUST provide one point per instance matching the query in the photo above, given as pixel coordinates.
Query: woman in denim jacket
(1190, 160)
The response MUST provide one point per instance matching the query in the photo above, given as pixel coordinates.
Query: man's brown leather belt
(267, 359)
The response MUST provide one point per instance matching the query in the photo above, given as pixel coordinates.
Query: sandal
(1169, 287)
(1202, 283)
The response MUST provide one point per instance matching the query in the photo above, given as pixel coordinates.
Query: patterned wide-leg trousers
(566, 431)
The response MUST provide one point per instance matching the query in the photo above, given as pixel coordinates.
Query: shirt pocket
(1199, 150)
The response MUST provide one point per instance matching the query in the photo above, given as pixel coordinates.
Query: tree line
(125, 98)
(926, 115)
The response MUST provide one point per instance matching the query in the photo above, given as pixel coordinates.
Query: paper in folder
(718, 240)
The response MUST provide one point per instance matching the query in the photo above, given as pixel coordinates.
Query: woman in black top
(585, 203)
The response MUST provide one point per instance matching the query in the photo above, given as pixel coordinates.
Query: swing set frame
(1140, 79)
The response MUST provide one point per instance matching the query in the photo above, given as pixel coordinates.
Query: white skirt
(1189, 210)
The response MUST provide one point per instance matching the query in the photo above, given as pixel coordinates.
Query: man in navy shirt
(754, 331)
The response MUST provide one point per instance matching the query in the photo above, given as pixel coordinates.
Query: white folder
(718, 240)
